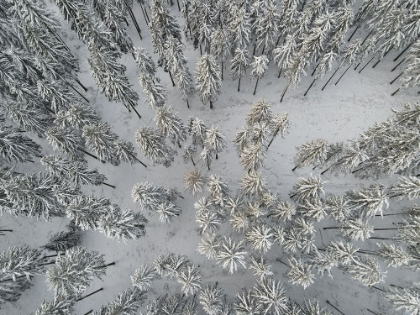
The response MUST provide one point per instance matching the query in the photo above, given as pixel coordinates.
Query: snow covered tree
(62, 241)
(313, 209)
(190, 279)
(307, 189)
(101, 139)
(283, 55)
(350, 157)
(231, 254)
(21, 261)
(239, 27)
(336, 206)
(206, 157)
(270, 294)
(170, 125)
(124, 151)
(59, 306)
(74, 271)
(300, 273)
(122, 224)
(241, 139)
(15, 147)
(209, 245)
(143, 277)
(313, 152)
(260, 237)
(189, 152)
(208, 81)
(253, 183)
(366, 270)
(267, 28)
(260, 111)
(10, 291)
(66, 140)
(32, 195)
(127, 303)
(217, 186)
(283, 211)
(252, 157)
(239, 64)
(246, 303)
(154, 146)
(259, 268)
(278, 124)
(394, 256)
(295, 71)
(215, 141)
(197, 130)
(87, 210)
(76, 116)
(324, 262)
(406, 187)
(259, 65)
(355, 229)
(408, 299)
(220, 45)
(167, 211)
(323, 67)
(194, 181)
(211, 299)
(148, 196)
(368, 201)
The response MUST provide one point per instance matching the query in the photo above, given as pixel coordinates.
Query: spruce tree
(366, 270)
(231, 254)
(143, 277)
(170, 125)
(259, 66)
(307, 189)
(270, 294)
(313, 152)
(18, 262)
(127, 302)
(59, 306)
(61, 241)
(194, 181)
(239, 64)
(15, 147)
(66, 140)
(208, 81)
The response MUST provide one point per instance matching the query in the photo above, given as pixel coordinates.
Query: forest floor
(339, 113)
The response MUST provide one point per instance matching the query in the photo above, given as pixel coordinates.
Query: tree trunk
(188, 103)
(109, 185)
(378, 288)
(354, 32)
(138, 115)
(201, 51)
(404, 50)
(392, 47)
(360, 71)
(84, 297)
(396, 78)
(192, 161)
(126, 22)
(90, 154)
(255, 47)
(57, 37)
(105, 266)
(313, 72)
(330, 78)
(211, 105)
(380, 238)
(309, 87)
(74, 89)
(372, 312)
(398, 65)
(332, 228)
(179, 7)
(355, 68)
(284, 92)
(262, 53)
(91, 311)
(222, 70)
(217, 157)
(239, 84)
(396, 286)
(328, 302)
(387, 215)
(278, 259)
(133, 18)
(6, 230)
(366, 37)
(135, 157)
(376, 63)
(172, 80)
(80, 84)
(386, 229)
(274, 135)
(256, 84)
(395, 92)
(146, 18)
(279, 73)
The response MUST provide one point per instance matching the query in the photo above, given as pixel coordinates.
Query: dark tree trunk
(256, 84)
(396, 78)
(380, 238)
(332, 228)
(80, 84)
(396, 286)
(357, 66)
(328, 302)
(109, 185)
(255, 47)
(325, 85)
(354, 32)
(366, 37)
(398, 65)
(395, 92)
(376, 63)
(278, 259)
(84, 297)
(385, 229)
(188, 103)
(309, 87)
(91, 311)
(284, 93)
(146, 17)
(172, 80)
(262, 53)
(222, 69)
(90, 154)
(392, 47)
(6, 230)
(192, 161)
(105, 266)
(201, 50)
(58, 37)
(360, 71)
(179, 7)
(279, 74)
(389, 214)
(372, 312)
(217, 157)
(74, 89)
(133, 18)
(313, 72)
(211, 105)
(138, 115)
(239, 84)
(379, 289)
(403, 51)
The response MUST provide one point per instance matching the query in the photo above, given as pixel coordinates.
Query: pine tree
(394, 256)
(143, 277)
(154, 146)
(239, 27)
(336, 206)
(66, 140)
(369, 201)
(197, 130)
(170, 125)
(211, 299)
(245, 303)
(313, 209)
(252, 157)
(215, 141)
(148, 196)
(209, 245)
(356, 229)
(305, 189)
(62, 241)
(239, 64)
(260, 132)
(313, 152)
(122, 224)
(270, 294)
(259, 268)
(14, 147)
(127, 303)
(190, 279)
(260, 237)
(366, 270)
(253, 183)
(295, 71)
(220, 45)
(267, 28)
(206, 157)
(259, 66)
(101, 139)
(74, 271)
(324, 262)
(124, 151)
(76, 116)
(167, 211)
(279, 124)
(87, 210)
(260, 111)
(283, 55)
(59, 306)
(18, 262)
(194, 181)
(406, 187)
(283, 211)
(300, 273)
(342, 252)
(241, 139)
(208, 81)
(408, 299)
(230, 254)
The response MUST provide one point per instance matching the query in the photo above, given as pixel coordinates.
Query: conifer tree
(220, 45)
(239, 27)
(194, 181)
(122, 224)
(15, 147)
(259, 268)
(143, 277)
(313, 152)
(343, 252)
(252, 156)
(279, 124)
(259, 238)
(211, 299)
(259, 65)
(215, 141)
(206, 157)
(190, 279)
(124, 151)
(408, 299)
(62, 241)
(283, 211)
(197, 130)
(76, 116)
(267, 28)
(253, 183)
(394, 256)
(148, 196)
(74, 271)
(336, 206)
(10, 291)
(154, 146)
(66, 140)
(59, 306)
(245, 303)
(127, 303)
(208, 81)
(260, 111)
(231, 254)
(101, 139)
(170, 125)
(324, 262)
(366, 270)
(300, 273)
(18, 262)
(209, 245)
(307, 189)
(283, 55)
(270, 294)
(369, 201)
(239, 64)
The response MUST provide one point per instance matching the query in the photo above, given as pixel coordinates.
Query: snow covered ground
(338, 113)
